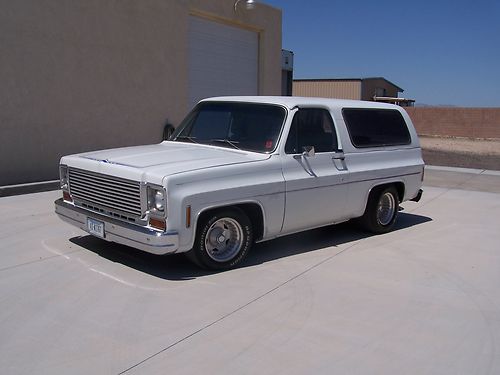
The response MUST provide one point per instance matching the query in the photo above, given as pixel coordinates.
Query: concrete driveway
(422, 299)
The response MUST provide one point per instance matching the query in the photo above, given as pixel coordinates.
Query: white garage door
(223, 60)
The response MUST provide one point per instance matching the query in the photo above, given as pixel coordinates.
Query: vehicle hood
(159, 160)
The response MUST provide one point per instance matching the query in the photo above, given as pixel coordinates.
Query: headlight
(63, 177)
(159, 200)
(156, 199)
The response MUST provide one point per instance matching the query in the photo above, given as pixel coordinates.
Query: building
(286, 72)
(86, 75)
(375, 88)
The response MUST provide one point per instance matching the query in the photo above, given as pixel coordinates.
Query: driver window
(311, 127)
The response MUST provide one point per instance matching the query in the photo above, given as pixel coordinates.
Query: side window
(311, 127)
(370, 127)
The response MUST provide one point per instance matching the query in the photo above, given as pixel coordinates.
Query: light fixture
(63, 177)
(159, 200)
(249, 4)
(156, 200)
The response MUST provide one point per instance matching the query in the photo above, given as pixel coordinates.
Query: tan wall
(370, 86)
(456, 122)
(325, 89)
(93, 74)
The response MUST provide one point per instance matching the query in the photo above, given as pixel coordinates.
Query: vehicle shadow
(177, 267)
(329, 236)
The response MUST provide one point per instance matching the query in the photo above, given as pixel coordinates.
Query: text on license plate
(95, 227)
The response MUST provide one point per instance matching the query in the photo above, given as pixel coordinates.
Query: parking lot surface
(422, 299)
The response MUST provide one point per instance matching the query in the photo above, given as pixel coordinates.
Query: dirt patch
(461, 152)
(464, 145)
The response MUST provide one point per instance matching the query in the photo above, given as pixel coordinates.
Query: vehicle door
(314, 171)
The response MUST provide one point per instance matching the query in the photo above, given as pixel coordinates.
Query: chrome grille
(103, 191)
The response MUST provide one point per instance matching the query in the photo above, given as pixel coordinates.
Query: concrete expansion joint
(270, 291)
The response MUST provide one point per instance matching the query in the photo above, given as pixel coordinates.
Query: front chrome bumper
(141, 238)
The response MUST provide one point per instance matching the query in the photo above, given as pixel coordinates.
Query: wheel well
(252, 210)
(400, 188)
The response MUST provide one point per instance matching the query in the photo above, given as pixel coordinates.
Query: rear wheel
(223, 239)
(381, 210)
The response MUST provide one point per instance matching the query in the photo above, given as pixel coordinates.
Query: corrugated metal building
(346, 88)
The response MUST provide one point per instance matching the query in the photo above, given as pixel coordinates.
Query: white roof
(293, 101)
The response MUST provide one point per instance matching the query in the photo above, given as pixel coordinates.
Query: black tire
(381, 210)
(223, 239)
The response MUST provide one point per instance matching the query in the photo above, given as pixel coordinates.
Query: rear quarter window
(371, 127)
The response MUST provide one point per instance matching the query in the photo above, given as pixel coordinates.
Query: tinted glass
(311, 127)
(376, 127)
(209, 123)
(247, 126)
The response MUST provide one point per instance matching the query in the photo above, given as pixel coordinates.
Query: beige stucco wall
(328, 89)
(83, 75)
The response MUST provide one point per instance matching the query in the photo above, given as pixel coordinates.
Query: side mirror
(308, 151)
(167, 131)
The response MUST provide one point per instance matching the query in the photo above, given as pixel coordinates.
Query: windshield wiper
(226, 141)
(191, 139)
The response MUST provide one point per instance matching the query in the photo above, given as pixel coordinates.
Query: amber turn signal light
(188, 216)
(157, 223)
(67, 197)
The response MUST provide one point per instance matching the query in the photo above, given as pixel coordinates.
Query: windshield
(245, 126)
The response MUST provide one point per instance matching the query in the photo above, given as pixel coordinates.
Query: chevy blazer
(240, 170)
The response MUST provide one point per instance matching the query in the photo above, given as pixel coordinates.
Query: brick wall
(456, 122)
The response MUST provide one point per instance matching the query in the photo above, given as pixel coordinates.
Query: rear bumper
(141, 238)
(418, 196)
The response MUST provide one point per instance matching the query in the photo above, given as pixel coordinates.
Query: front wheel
(381, 210)
(223, 239)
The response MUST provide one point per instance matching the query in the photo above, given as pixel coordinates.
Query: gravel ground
(461, 152)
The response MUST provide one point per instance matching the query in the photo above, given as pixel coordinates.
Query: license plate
(95, 227)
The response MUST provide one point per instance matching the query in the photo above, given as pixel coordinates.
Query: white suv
(240, 170)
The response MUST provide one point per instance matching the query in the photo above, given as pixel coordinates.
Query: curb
(462, 170)
(34, 187)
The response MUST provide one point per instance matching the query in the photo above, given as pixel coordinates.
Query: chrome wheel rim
(386, 208)
(224, 239)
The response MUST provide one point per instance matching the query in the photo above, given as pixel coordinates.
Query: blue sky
(440, 52)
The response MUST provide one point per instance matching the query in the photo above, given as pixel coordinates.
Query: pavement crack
(37, 261)
(270, 291)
